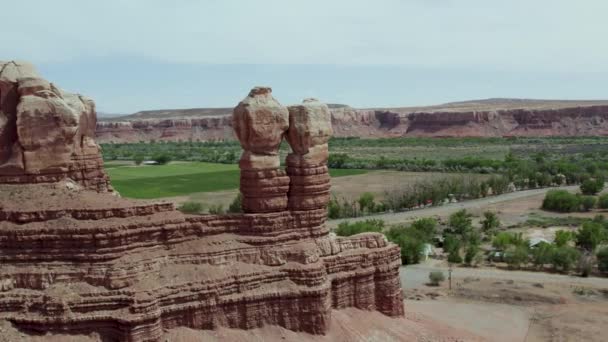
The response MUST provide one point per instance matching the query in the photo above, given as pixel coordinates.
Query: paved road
(415, 276)
(444, 210)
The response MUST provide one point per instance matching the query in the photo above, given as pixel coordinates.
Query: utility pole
(450, 276)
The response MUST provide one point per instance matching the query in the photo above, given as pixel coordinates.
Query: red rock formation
(489, 118)
(46, 134)
(308, 134)
(76, 261)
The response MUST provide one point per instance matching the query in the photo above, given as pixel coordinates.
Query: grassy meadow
(181, 178)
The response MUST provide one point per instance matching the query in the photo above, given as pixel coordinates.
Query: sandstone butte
(79, 262)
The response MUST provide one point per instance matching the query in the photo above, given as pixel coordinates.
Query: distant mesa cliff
(482, 118)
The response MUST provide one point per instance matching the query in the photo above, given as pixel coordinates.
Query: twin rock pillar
(260, 123)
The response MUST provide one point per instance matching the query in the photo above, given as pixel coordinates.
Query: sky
(152, 54)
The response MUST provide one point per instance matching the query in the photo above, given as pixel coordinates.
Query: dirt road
(415, 276)
(445, 210)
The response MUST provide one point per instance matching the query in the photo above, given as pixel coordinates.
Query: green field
(181, 178)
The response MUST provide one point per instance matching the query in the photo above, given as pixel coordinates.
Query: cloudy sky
(152, 54)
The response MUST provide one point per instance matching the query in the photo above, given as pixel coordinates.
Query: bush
(602, 260)
(460, 222)
(562, 237)
(138, 159)
(191, 207)
(587, 202)
(162, 158)
(470, 253)
(490, 221)
(561, 201)
(236, 205)
(602, 201)
(216, 209)
(564, 257)
(590, 235)
(426, 227)
(543, 254)
(348, 229)
(592, 186)
(436, 277)
(366, 202)
(515, 256)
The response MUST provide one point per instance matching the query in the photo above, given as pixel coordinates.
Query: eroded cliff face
(76, 261)
(566, 119)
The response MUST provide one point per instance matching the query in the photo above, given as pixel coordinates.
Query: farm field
(181, 178)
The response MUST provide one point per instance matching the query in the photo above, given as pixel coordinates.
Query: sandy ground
(503, 305)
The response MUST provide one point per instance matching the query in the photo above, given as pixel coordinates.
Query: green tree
(236, 205)
(587, 202)
(564, 257)
(561, 201)
(426, 227)
(562, 237)
(517, 255)
(461, 223)
(366, 202)
(503, 240)
(592, 186)
(470, 253)
(590, 235)
(490, 222)
(334, 210)
(138, 159)
(602, 202)
(370, 225)
(602, 260)
(542, 254)
(162, 158)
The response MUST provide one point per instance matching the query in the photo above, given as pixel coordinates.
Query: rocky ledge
(78, 260)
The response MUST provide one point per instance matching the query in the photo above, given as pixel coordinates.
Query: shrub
(561, 201)
(348, 229)
(426, 227)
(435, 278)
(564, 257)
(543, 254)
(138, 159)
(162, 158)
(460, 222)
(236, 205)
(517, 255)
(587, 202)
(562, 237)
(602, 201)
(470, 253)
(592, 186)
(590, 235)
(490, 221)
(602, 260)
(333, 208)
(191, 207)
(366, 202)
(216, 209)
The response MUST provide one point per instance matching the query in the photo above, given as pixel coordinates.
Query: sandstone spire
(260, 122)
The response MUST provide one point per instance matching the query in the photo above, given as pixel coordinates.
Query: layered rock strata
(308, 135)
(76, 261)
(477, 119)
(46, 134)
